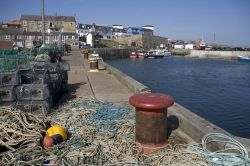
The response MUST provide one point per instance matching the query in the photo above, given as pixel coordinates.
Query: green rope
(232, 152)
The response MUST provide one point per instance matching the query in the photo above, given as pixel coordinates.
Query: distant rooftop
(52, 18)
(14, 22)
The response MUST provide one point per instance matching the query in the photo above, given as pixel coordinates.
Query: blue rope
(106, 114)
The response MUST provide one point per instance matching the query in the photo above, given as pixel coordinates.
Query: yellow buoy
(57, 130)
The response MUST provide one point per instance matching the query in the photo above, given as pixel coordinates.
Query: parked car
(238, 49)
(17, 47)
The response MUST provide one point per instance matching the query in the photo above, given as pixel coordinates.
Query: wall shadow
(69, 95)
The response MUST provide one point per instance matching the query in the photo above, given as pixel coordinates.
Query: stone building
(145, 41)
(33, 23)
(57, 28)
(11, 32)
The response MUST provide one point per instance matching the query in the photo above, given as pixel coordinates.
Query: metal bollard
(151, 120)
(93, 65)
(86, 55)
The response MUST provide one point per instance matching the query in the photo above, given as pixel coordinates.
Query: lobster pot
(34, 77)
(7, 93)
(9, 78)
(51, 67)
(32, 92)
(34, 107)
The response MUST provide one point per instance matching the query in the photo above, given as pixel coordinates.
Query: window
(6, 36)
(19, 37)
(63, 38)
(24, 22)
(55, 38)
(25, 29)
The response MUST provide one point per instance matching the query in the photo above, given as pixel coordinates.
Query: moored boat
(141, 54)
(243, 58)
(159, 54)
(167, 53)
(155, 54)
(150, 54)
(133, 55)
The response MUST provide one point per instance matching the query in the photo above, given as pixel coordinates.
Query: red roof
(14, 22)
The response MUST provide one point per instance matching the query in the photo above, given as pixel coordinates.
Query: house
(135, 31)
(179, 46)
(93, 39)
(33, 23)
(104, 31)
(117, 26)
(53, 26)
(14, 24)
(14, 36)
(189, 46)
(83, 29)
(149, 29)
(117, 32)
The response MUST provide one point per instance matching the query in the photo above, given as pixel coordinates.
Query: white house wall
(90, 39)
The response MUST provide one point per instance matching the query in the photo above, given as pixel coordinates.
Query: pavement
(99, 85)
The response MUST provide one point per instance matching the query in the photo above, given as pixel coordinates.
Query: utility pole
(43, 26)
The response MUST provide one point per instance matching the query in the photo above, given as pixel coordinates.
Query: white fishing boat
(243, 58)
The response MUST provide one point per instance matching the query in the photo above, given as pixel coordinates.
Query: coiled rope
(231, 152)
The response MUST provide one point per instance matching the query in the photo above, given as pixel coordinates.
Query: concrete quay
(228, 55)
(114, 86)
(99, 85)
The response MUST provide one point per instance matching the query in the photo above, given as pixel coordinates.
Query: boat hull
(243, 59)
(133, 55)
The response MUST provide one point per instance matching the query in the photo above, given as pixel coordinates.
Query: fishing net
(99, 133)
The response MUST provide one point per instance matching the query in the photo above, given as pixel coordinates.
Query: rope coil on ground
(232, 152)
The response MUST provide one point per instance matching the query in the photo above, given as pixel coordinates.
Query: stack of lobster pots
(36, 89)
(8, 83)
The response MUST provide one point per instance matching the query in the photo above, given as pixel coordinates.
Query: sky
(221, 21)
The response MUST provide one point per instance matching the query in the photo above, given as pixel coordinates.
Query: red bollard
(151, 120)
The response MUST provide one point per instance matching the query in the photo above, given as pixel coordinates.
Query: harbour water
(216, 90)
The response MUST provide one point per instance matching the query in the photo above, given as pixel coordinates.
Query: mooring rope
(231, 153)
(99, 133)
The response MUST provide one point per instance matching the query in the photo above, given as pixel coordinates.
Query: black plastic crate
(9, 78)
(34, 107)
(33, 92)
(7, 93)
